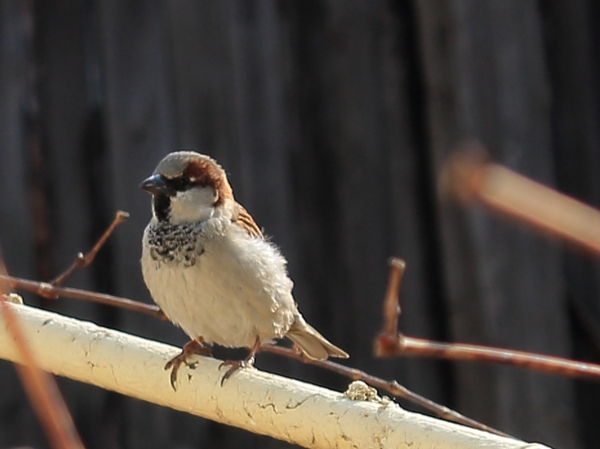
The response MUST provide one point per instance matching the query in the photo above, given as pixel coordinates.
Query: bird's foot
(190, 348)
(235, 365)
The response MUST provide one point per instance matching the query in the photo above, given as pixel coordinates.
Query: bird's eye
(181, 183)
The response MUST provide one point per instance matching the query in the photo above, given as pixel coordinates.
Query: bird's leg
(235, 365)
(191, 347)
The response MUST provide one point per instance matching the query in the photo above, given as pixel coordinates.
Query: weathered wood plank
(571, 42)
(76, 217)
(232, 104)
(138, 103)
(357, 177)
(315, 109)
(486, 79)
(16, 230)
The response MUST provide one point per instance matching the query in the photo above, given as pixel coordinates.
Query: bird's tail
(312, 343)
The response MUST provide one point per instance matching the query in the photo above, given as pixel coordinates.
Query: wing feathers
(245, 220)
(312, 343)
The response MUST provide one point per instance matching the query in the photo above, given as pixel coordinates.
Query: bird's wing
(245, 220)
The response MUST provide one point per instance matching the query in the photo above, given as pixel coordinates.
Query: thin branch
(396, 344)
(51, 292)
(389, 335)
(40, 386)
(260, 402)
(82, 261)
(391, 304)
(54, 289)
(417, 347)
(391, 386)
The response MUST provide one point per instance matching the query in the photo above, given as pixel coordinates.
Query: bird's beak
(157, 185)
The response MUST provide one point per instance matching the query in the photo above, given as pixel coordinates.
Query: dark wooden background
(333, 119)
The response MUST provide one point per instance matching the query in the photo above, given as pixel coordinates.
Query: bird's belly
(211, 302)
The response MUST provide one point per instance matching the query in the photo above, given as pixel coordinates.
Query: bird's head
(187, 186)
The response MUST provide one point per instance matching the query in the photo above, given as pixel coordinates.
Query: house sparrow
(211, 271)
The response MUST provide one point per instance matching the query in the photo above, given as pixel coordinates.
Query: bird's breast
(221, 286)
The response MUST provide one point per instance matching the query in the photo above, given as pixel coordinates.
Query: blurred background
(333, 119)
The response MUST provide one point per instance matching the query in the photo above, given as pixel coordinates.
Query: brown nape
(207, 173)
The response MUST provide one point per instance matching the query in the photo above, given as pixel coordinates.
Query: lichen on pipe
(259, 402)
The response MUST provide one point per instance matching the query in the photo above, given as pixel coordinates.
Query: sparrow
(211, 271)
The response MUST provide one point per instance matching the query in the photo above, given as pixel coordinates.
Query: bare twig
(469, 176)
(391, 386)
(396, 344)
(49, 291)
(409, 346)
(82, 261)
(54, 290)
(287, 409)
(41, 388)
(391, 304)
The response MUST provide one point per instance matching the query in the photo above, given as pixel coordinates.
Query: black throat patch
(174, 243)
(162, 207)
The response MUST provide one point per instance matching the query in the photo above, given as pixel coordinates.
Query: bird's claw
(235, 365)
(175, 363)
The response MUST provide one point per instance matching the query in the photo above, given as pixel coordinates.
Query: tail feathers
(312, 343)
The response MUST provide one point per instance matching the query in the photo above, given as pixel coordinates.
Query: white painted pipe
(259, 402)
